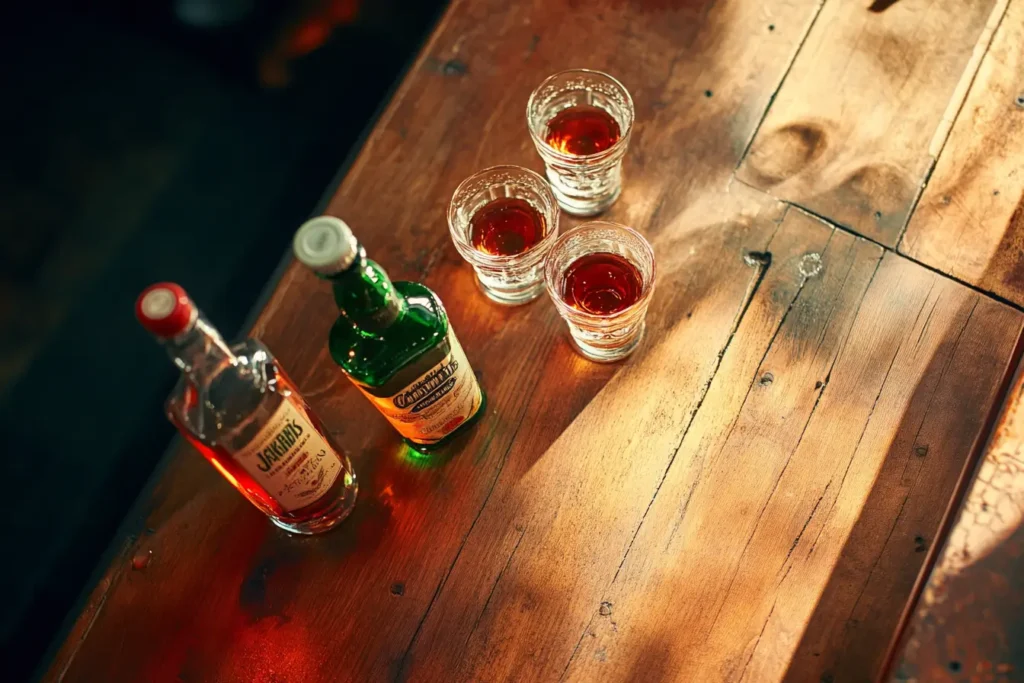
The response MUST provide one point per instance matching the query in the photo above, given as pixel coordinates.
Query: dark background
(142, 141)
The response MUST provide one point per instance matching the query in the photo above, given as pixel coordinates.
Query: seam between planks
(824, 387)
(938, 382)
(494, 587)
(946, 123)
(893, 250)
(867, 421)
(757, 642)
(967, 79)
(778, 87)
(763, 265)
(965, 481)
(403, 662)
(465, 539)
(810, 416)
(829, 483)
(956, 105)
(896, 521)
(771, 342)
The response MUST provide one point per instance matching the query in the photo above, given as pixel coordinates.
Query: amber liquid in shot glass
(506, 227)
(602, 284)
(503, 221)
(580, 122)
(600, 277)
(581, 130)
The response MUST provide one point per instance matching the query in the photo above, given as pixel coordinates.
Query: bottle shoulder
(373, 360)
(219, 406)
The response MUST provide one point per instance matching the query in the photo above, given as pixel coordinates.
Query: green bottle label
(434, 404)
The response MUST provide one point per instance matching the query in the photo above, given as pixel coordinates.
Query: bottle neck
(199, 350)
(366, 296)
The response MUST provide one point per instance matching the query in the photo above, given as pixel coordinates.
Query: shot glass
(601, 278)
(580, 122)
(504, 220)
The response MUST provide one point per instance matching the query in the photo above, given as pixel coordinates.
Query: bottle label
(435, 403)
(290, 459)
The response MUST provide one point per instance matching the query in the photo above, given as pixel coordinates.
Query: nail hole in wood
(454, 67)
(758, 258)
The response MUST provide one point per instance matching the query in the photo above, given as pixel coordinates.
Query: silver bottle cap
(326, 245)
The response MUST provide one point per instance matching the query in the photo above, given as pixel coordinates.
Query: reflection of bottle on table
(242, 412)
(393, 340)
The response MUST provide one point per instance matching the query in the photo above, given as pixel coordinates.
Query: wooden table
(969, 621)
(753, 494)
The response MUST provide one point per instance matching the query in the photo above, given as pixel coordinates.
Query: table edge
(55, 660)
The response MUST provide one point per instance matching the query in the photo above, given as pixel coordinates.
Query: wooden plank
(919, 418)
(970, 220)
(798, 467)
(741, 499)
(848, 135)
(970, 618)
(579, 480)
(225, 597)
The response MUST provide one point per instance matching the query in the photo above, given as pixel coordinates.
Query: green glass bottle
(392, 339)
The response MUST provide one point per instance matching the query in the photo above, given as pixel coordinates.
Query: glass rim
(620, 143)
(646, 292)
(493, 259)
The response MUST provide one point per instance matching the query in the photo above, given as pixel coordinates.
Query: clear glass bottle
(393, 340)
(241, 411)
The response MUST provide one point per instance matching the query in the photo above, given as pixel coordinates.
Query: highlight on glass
(236, 405)
(601, 278)
(503, 221)
(580, 122)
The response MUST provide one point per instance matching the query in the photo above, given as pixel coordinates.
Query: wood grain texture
(970, 220)
(849, 132)
(970, 618)
(641, 521)
(461, 107)
(800, 471)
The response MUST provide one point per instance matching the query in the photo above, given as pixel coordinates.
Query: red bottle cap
(165, 310)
